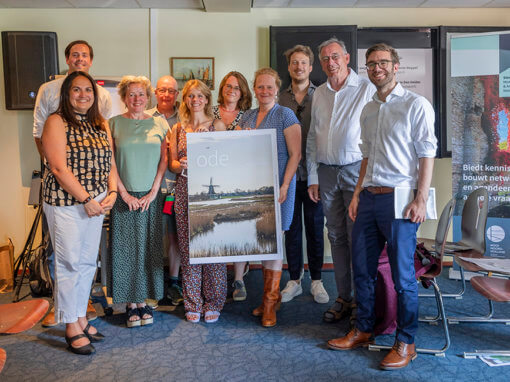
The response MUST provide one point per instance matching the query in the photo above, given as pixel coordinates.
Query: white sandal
(211, 316)
(193, 317)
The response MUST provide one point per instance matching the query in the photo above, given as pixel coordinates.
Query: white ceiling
(246, 5)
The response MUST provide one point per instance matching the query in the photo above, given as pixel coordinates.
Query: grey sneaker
(318, 292)
(174, 294)
(239, 293)
(292, 289)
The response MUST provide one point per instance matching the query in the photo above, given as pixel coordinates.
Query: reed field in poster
(234, 214)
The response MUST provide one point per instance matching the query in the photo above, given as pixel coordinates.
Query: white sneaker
(292, 290)
(318, 292)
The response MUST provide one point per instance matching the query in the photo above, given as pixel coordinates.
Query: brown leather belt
(379, 190)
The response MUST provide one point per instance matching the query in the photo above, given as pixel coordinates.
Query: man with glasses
(298, 97)
(398, 146)
(167, 107)
(334, 158)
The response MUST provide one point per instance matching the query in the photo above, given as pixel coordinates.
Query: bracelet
(87, 200)
(113, 191)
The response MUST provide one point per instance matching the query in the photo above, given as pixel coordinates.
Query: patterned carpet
(237, 348)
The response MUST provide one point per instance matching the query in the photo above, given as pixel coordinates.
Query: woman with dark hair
(79, 188)
(136, 266)
(234, 98)
(204, 286)
(270, 115)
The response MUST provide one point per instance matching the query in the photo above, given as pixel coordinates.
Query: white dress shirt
(48, 100)
(334, 134)
(394, 135)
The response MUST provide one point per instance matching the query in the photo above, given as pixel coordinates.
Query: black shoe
(82, 350)
(96, 337)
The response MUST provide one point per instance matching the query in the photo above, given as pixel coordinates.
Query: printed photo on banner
(234, 213)
(480, 119)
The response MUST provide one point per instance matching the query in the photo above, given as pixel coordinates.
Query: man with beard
(398, 146)
(298, 97)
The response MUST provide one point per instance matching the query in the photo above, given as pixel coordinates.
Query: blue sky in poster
(234, 160)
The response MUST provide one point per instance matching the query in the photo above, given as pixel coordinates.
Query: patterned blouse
(235, 122)
(89, 157)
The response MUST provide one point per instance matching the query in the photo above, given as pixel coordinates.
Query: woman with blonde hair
(204, 285)
(136, 266)
(270, 115)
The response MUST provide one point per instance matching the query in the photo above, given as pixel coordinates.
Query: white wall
(238, 41)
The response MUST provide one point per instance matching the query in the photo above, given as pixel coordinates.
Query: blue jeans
(314, 230)
(376, 225)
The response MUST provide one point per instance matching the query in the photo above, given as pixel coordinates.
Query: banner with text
(480, 119)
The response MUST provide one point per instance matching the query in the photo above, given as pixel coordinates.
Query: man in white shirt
(79, 55)
(334, 158)
(166, 92)
(398, 146)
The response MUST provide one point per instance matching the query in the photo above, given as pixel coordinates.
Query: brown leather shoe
(355, 338)
(91, 312)
(399, 356)
(49, 320)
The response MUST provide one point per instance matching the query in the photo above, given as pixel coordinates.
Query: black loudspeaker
(30, 58)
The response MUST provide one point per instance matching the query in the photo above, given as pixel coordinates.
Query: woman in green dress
(136, 266)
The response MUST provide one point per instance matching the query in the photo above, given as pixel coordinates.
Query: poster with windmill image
(234, 214)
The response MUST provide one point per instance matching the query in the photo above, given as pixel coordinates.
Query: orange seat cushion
(19, 316)
(494, 289)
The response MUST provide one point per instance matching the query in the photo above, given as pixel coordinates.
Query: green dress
(135, 266)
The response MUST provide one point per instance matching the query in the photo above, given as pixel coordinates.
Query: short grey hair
(332, 40)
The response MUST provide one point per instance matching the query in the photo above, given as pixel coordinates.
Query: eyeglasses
(233, 88)
(166, 90)
(383, 64)
(334, 57)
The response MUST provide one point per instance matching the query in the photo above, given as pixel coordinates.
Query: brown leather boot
(257, 312)
(399, 356)
(355, 338)
(271, 297)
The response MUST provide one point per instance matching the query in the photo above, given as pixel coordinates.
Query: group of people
(342, 148)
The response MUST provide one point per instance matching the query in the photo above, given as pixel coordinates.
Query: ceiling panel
(454, 3)
(172, 4)
(388, 3)
(35, 4)
(123, 4)
(498, 4)
(322, 3)
(270, 3)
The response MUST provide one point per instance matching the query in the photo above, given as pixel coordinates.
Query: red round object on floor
(20, 316)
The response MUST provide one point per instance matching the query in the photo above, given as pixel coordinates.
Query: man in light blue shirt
(398, 147)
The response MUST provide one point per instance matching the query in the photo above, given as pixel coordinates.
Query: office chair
(473, 226)
(17, 317)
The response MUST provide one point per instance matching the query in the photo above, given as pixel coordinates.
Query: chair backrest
(443, 226)
(474, 219)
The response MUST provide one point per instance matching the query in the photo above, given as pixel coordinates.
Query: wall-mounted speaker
(30, 58)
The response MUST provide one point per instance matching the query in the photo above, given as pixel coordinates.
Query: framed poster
(233, 185)
(184, 69)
